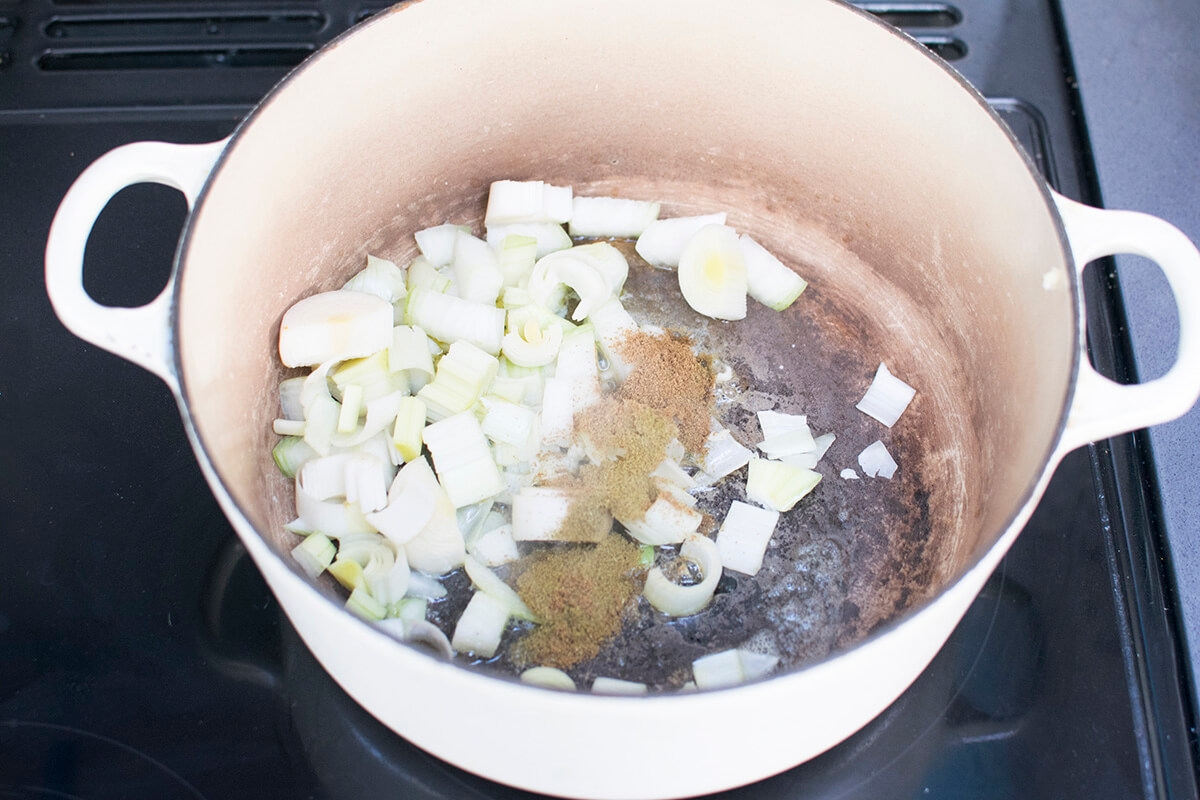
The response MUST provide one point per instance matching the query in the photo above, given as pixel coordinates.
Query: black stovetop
(141, 655)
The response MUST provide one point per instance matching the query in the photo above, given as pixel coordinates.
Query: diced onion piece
(439, 547)
(712, 273)
(669, 472)
(409, 428)
(676, 600)
(538, 514)
(334, 325)
(617, 686)
(776, 423)
(507, 422)
(723, 455)
(731, 667)
(789, 444)
(515, 258)
(877, 462)
(381, 278)
(558, 414)
(613, 324)
(453, 319)
(411, 610)
(548, 678)
(527, 201)
(768, 280)
(550, 236)
(496, 546)
(476, 270)
(743, 537)
(663, 241)
(576, 363)
(437, 243)
(361, 603)
(887, 397)
(777, 485)
(380, 413)
(365, 483)
(849, 474)
(314, 554)
(480, 627)
(331, 517)
(810, 460)
(290, 453)
(321, 423)
(409, 350)
(579, 271)
(463, 459)
(489, 582)
(666, 521)
(425, 586)
(352, 399)
(410, 507)
(611, 217)
(423, 275)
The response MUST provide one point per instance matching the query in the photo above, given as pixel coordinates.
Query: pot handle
(143, 334)
(1102, 407)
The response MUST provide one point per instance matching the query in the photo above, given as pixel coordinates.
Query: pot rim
(1031, 494)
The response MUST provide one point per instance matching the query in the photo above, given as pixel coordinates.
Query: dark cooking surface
(143, 657)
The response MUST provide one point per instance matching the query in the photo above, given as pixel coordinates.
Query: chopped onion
(476, 270)
(380, 413)
(777, 485)
(487, 581)
(480, 627)
(611, 217)
(548, 678)
(712, 273)
(877, 462)
(731, 667)
(463, 459)
(612, 324)
(538, 514)
(409, 350)
(289, 398)
(617, 686)
(723, 455)
(423, 275)
(362, 604)
(387, 578)
(425, 586)
(321, 423)
(570, 268)
(515, 258)
(495, 547)
(676, 600)
(550, 236)
(409, 508)
(887, 397)
(789, 444)
(439, 547)
(527, 201)
(381, 278)
(437, 243)
(507, 422)
(666, 521)
(768, 280)
(533, 337)
(407, 433)
(663, 241)
(776, 423)
(558, 414)
(669, 472)
(744, 535)
(334, 326)
(463, 374)
(849, 474)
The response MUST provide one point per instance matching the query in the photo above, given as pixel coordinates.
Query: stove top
(144, 657)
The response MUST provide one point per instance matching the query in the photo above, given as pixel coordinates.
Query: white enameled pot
(839, 143)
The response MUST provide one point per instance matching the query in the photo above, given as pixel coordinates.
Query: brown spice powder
(668, 376)
(579, 594)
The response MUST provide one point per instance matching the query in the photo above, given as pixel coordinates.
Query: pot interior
(840, 146)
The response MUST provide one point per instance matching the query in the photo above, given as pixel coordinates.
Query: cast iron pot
(840, 144)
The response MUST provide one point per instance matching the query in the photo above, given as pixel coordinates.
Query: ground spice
(579, 594)
(668, 376)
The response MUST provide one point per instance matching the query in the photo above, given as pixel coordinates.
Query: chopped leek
(381, 278)
(488, 582)
(409, 509)
(777, 485)
(463, 374)
(567, 268)
(515, 258)
(348, 572)
(532, 340)
(439, 547)
(666, 521)
(776, 423)
(538, 513)
(290, 453)
(289, 398)
(558, 413)
(334, 325)
(550, 236)
(507, 422)
(352, 400)
(744, 535)
(723, 455)
(731, 667)
(314, 554)
(409, 427)
(423, 275)
(463, 459)
(495, 547)
(477, 272)
(409, 350)
(887, 397)
(365, 606)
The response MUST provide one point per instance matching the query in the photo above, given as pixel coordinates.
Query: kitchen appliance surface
(147, 658)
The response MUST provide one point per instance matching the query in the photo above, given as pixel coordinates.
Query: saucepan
(929, 240)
